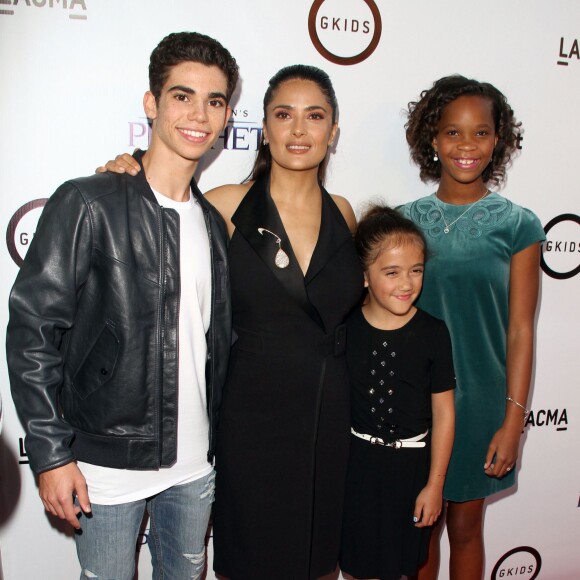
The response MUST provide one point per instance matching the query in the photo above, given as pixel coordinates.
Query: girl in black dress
(402, 415)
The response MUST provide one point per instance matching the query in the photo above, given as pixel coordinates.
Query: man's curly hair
(423, 118)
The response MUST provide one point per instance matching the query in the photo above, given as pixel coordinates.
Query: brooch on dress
(281, 259)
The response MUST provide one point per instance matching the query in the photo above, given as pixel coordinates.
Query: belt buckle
(397, 444)
(377, 441)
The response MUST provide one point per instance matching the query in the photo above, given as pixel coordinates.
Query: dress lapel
(257, 210)
(332, 237)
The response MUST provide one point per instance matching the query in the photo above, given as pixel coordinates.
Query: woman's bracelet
(526, 411)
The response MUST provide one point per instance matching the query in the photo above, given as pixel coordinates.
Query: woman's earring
(435, 157)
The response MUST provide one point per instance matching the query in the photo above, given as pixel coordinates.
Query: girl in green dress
(483, 282)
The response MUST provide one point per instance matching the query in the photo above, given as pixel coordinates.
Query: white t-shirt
(111, 486)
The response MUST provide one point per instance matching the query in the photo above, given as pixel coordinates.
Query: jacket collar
(146, 190)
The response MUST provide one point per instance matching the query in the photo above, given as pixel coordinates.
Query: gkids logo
(77, 8)
(561, 250)
(547, 417)
(21, 228)
(240, 134)
(523, 563)
(345, 32)
(568, 50)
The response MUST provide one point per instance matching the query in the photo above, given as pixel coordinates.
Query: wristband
(526, 411)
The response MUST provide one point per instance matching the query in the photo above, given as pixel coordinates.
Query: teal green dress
(467, 285)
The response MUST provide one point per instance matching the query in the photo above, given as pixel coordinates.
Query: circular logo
(523, 562)
(343, 31)
(21, 229)
(561, 250)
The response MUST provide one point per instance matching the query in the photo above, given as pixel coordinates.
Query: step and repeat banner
(73, 75)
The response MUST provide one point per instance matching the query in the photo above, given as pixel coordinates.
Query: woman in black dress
(283, 440)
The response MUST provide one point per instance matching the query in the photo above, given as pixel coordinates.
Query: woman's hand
(123, 163)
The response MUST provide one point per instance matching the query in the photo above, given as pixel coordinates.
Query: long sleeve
(42, 308)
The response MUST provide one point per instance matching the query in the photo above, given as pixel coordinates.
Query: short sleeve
(442, 371)
(404, 210)
(528, 230)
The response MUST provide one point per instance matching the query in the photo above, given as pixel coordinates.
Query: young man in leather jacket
(119, 332)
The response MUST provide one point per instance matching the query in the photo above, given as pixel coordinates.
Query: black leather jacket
(92, 342)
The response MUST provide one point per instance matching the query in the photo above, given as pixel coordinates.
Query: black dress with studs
(393, 374)
(283, 440)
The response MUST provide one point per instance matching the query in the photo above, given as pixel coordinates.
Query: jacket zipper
(161, 331)
(210, 345)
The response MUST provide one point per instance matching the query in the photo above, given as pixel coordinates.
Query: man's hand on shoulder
(57, 488)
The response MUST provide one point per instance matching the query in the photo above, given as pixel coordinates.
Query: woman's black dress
(283, 439)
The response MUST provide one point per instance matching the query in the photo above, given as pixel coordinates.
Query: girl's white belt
(397, 444)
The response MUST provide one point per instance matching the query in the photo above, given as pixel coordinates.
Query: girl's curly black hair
(423, 118)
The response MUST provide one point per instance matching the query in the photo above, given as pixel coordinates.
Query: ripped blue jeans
(178, 520)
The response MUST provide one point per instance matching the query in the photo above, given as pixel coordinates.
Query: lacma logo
(77, 9)
(568, 50)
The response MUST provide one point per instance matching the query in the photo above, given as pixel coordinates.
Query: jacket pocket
(98, 366)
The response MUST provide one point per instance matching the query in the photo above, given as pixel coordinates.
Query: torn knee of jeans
(89, 574)
(196, 559)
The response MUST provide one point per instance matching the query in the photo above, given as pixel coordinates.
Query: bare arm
(429, 502)
(226, 200)
(346, 211)
(523, 298)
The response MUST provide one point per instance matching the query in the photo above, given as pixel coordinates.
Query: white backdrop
(73, 75)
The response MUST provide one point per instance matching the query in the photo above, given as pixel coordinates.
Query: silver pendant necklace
(281, 259)
(448, 226)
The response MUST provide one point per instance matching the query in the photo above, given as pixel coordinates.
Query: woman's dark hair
(181, 47)
(424, 116)
(263, 162)
(382, 227)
